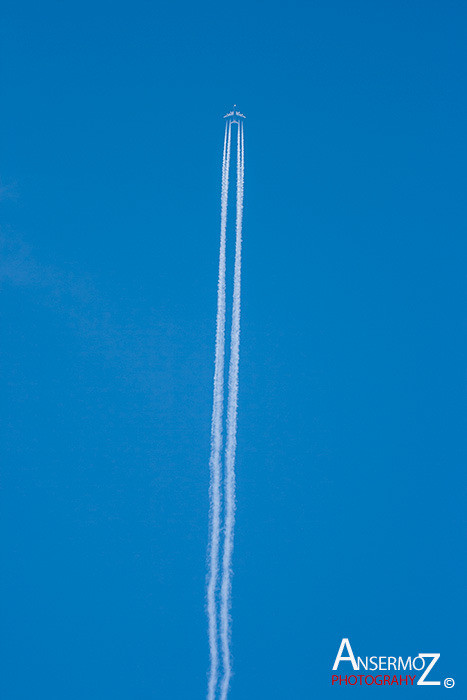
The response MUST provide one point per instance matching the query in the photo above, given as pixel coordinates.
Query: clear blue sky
(353, 381)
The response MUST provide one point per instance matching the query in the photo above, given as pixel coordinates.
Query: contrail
(216, 433)
(231, 442)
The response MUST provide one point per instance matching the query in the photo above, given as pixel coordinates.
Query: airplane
(234, 115)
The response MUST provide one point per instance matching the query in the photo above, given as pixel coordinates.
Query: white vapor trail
(231, 441)
(216, 433)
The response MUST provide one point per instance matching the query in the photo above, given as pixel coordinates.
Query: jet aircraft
(234, 116)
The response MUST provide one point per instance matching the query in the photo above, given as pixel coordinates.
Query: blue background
(353, 379)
